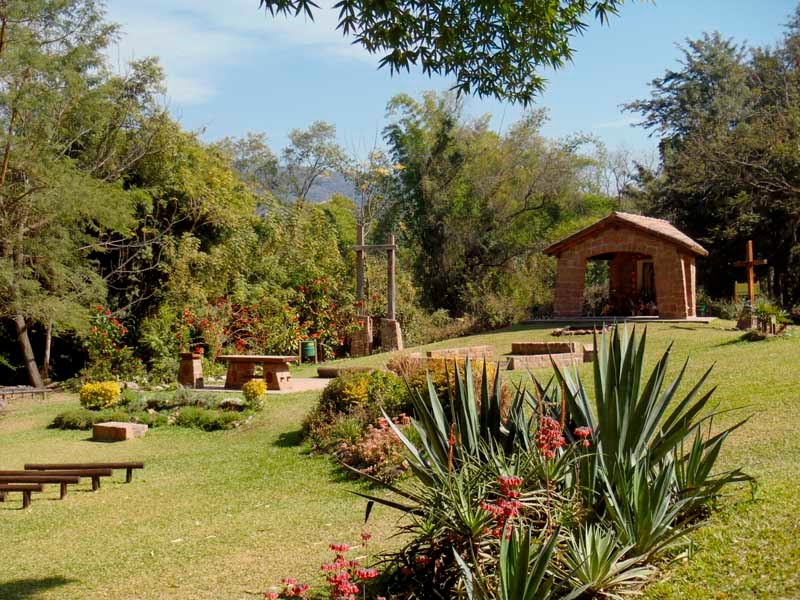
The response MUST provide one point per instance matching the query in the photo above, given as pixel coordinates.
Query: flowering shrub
(343, 422)
(96, 396)
(347, 579)
(109, 357)
(322, 317)
(378, 453)
(254, 392)
(416, 370)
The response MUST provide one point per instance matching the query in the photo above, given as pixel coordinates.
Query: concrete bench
(129, 466)
(25, 488)
(242, 368)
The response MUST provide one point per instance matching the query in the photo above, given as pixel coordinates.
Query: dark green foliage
(727, 119)
(492, 48)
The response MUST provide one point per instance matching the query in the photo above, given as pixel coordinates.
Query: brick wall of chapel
(674, 271)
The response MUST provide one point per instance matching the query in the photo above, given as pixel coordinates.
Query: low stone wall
(469, 351)
(545, 348)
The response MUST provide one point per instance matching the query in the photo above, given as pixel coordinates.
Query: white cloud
(197, 39)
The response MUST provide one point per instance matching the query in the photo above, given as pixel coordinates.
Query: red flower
(583, 432)
(366, 536)
(366, 573)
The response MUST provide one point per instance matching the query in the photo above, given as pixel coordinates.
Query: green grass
(225, 514)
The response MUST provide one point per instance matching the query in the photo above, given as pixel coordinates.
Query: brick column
(570, 278)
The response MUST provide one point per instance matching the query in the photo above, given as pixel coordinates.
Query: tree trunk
(48, 342)
(27, 351)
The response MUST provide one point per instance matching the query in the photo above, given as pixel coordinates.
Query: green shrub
(367, 391)
(206, 419)
(104, 394)
(128, 397)
(83, 418)
(254, 392)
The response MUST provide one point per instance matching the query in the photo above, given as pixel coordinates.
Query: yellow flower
(399, 167)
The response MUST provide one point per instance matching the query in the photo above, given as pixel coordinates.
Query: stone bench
(117, 431)
(242, 368)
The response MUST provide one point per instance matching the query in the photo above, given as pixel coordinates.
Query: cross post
(749, 263)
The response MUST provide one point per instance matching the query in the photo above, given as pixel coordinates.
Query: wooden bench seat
(25, 488)
(242, 368)
(63, 479)
(129, 466)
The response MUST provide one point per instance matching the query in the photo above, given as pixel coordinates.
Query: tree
(476, 206)
(68, 130)
(729, 171)
(312, 153)
(492, 48)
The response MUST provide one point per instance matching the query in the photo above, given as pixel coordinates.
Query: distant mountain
(325, 187)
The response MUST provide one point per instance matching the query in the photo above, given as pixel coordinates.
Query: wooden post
(360, 266)
(391, 307)
(749, 263)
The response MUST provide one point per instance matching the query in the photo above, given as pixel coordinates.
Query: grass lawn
(224, 515)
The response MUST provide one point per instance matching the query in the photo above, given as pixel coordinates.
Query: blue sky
(232, 69)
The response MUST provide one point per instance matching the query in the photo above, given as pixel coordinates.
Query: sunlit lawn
(223, 515)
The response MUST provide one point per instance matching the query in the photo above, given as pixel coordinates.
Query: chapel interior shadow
(23, 589)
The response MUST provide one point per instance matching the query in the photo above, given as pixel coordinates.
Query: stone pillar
(570, 278)
(361, 341)
(391, 335)
(190, 373)
(670, 285)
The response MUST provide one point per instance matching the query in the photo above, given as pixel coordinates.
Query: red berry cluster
(549, 437)
(507, 507)
(583, 434)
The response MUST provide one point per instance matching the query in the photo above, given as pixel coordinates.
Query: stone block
(391, 335)
(473, 352)
(190, 373)
(361, 340)
(117, 431)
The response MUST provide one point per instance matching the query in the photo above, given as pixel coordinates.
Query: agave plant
(636, 420)
(523, 571)
(596, 563)
(468, 429)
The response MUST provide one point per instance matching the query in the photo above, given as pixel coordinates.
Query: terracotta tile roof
(657, 227)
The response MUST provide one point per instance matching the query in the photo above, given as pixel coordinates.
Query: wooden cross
(749, 264)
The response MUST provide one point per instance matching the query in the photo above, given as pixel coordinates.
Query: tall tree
(728, 122)
(492, 48)
(475, 205)
(68, 130)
